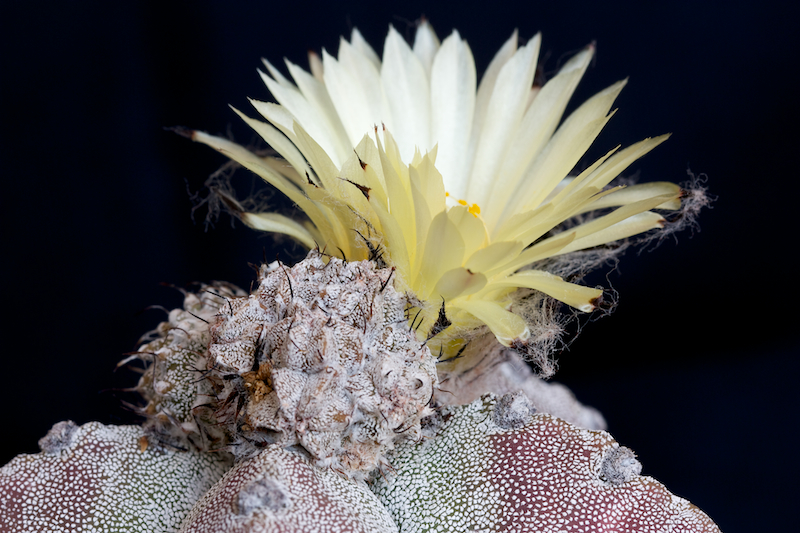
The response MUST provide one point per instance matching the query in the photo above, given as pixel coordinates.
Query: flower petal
(506, 326)
(635, 193)
(407, 89)
(627, 227)
(503, 115)
(600, 175)
(315, 66)
(486, 89)
(315, 92)
(359, 43)
(494, 255)
(470, 227)
(354, 84)
(278, 142)
(280, 224)
(453, 81)
(277, 115)
(577, 296)
(458, 283)
(566, 147)
(535, 130)
(618, 215)
(426, 44)
(444, 250)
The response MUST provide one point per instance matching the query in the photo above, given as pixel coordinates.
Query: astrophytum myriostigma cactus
(104, 479)
(494, 465)
(382, 384)
(497, 464)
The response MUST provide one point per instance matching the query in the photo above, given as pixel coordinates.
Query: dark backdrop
(695, 371)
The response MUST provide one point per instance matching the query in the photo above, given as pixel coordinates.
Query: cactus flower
(461, 187)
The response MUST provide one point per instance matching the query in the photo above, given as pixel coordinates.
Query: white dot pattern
(104, 482)
(544, 477)
(315, 500)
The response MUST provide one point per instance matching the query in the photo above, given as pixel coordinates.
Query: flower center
(473, 209)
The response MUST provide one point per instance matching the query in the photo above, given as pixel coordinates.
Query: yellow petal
(617, 163)
(505, 325)
(279, 142)
(577, 296)
(470, 227)
(444, 250)
(628, 227)
(538, 124)
(279, 224)
(394, 242)
(546, 248)
(325, 169)
(619, 215)
(400, 203)
(495, 132)
(641, 191)
(458, 282)
(306, 112)
(494, 255)
(252, 162)
(566, 148)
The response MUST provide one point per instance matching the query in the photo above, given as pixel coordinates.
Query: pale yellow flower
(459, 186)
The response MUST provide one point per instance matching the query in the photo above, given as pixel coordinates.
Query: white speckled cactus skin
(103, 479)
(282, 491)
(177, 412)
(249, 373)
(494, 466)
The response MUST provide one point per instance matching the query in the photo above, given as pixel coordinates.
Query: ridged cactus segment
(321, 355)
(545, 476)
(103, 479)
(280, 491)
(172, 384)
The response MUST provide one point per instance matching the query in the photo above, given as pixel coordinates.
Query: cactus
(383, 384)
(494, 465)
(283, 491)
(321, 356)
(103, 478)
(498, 463)
(179, 412)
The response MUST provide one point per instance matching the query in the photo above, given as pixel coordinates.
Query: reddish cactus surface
(281, 491)
(102, 479)
(479, 472)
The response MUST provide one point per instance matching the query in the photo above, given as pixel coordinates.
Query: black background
(697, 369)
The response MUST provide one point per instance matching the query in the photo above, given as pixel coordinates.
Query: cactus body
(480, 473)
(280, 491)
(321, 356)
(97, 478)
